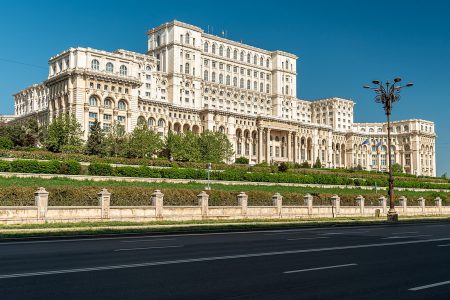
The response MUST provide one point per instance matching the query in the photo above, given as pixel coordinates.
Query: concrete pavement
(364, 262)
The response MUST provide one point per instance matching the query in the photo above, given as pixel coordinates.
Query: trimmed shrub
(70, 167)
(5, 166)
(101, 169)
(241, 160)
(34, 166)
(6, 143)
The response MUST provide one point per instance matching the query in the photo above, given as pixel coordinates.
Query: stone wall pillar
(203, 198)
(308, 202)
(41, 202)
(403, 202)
(268, 146)
(243, 202)
(104, 201)
(277, 200)
(336, 204)
(382, 202)
(157, 201)
(260, 145)
(438, 203)
(360, 202)
(421, 202)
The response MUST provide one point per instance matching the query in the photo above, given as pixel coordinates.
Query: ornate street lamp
(387, 94)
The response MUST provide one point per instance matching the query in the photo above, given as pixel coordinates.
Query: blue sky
(341, 45)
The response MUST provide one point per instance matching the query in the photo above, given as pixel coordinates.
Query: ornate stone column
(268, 146)
(289, 146)
(260, 145)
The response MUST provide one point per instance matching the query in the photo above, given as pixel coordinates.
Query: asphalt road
(364, 262)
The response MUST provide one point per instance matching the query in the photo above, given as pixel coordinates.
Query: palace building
(190, 80)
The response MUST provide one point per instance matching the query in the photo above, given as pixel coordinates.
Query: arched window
(93, 101)
(206, 47)
(205, 75)
(267, 88)
(241, 84)
(287, 64)
(95, 65)
(261, 87)
(222, 129)
(267, 63)
(186, 68)
(255, 85)
(123, 70)
(242, 56)
(213, 76)
(122, 105)
(261, 61)
(248, 57)
(151, 122)
(186, 40)
(248, 84)
(213, 49)
(406, 128)
(228, 52)
(158, 41)
(235, 54)
(107, 103)
(109, 67)
(220, 78)
(141, 120)
(235, 81)
(255, 60)
(287, 90)
(221, 50)
(161, 123)
(227, 80)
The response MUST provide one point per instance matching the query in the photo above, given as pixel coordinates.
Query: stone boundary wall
(41, 212)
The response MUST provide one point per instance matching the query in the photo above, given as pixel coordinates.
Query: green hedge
(139, 196)
(41, 167)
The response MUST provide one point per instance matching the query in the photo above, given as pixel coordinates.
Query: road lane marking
(320, 268)
(308, 238)
(214, 258)
(147, 248)
(147, 240)
(429, 286)
(333, 233)
(446, 245)
(405, 232)
(114, 236)
(405, 237)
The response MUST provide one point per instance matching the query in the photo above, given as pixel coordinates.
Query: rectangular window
(107, 117)
(121, 119)
(92, 115)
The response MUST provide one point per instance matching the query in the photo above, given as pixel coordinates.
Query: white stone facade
(191, 80)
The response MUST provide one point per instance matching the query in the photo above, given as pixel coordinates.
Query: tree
(317, 164)
(6, 143)
(183, 146)
(215, 147)
(305, 165)
(143, 142)
(64, 130)
(115, 140)
(397, 168)
(95, 143)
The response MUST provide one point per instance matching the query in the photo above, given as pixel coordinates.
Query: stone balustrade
(156, 210)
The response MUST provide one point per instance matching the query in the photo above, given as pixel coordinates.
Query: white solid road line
(214, 258)
(405, 232)
(319, 268)
(429, 286)
(446, 245)
(147, 248)
(146, 240)
(333, 233)
(405, 237)
(308, 238)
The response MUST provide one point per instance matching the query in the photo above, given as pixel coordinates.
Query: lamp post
(208, 166)
(387, 93)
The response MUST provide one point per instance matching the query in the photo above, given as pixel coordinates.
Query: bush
(283, 167)
(70, 167)
(6, 143)
(34, 166)
(101, 169)
(5, 166)
(241, 160)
